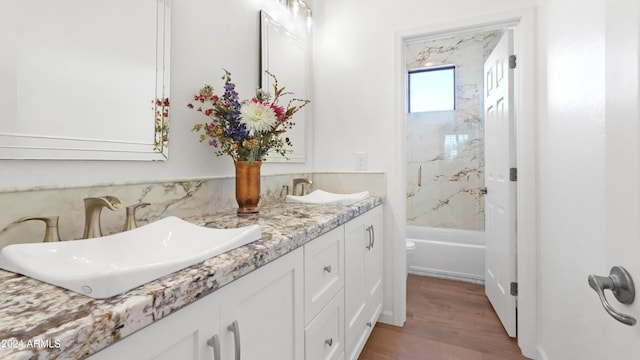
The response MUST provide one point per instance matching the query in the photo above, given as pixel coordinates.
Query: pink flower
(279, 110)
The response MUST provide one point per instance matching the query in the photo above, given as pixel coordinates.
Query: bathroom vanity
(311, 288)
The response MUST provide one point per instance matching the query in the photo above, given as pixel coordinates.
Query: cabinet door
(373, 264)
(262, 314)
(363, 278)
(181, 335)
(356, 243)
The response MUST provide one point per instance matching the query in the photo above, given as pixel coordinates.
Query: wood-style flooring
(446, 319)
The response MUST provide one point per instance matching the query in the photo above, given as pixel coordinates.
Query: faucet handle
(284, 192)
(130, 221)
(51, 232)
(303, 189)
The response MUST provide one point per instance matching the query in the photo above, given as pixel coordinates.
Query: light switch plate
(361, 161)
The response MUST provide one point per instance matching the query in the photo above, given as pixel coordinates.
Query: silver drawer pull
(370, 324)
(235, 329)
(373, 237)
(329, 342)
(327, 268)
(214, 342)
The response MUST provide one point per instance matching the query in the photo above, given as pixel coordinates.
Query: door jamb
(523, 22)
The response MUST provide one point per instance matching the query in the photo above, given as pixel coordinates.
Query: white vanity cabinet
(265, 306)
(319, 302)
(363, 279)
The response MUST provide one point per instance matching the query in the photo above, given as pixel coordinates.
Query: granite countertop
(42, 321)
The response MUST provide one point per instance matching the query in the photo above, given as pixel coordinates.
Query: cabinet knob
(329, 342)
(327, 268)
(370, 324)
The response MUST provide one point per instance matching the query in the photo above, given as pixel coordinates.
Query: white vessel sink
(324, 197)
(110, 265)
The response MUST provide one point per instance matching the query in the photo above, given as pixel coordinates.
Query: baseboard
(445, 275)
(386, 317)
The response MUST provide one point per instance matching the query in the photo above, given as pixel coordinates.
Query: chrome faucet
(92, 209)
(302, 182)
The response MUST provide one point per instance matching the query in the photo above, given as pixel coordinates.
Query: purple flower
(237, 131)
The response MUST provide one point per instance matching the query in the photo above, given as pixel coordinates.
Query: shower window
(431, 89)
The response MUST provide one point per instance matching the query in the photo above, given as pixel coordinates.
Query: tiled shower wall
(445, 149)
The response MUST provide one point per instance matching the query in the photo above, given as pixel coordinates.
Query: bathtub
(447, 253)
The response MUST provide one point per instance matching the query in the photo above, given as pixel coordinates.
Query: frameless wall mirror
(285, 55)
(84, 79)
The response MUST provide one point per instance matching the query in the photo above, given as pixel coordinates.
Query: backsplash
(182, 198)
(445, 149)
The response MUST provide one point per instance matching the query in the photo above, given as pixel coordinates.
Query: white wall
(206, 36)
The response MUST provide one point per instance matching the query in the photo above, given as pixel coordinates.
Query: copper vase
(247, 186)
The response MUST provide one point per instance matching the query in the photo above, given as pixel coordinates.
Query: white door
(500, 200)
(589, 168)
(622, 169)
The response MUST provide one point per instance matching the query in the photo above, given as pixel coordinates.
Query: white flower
(257, 117)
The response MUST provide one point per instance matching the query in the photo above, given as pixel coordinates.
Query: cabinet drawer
(324, 337)
(324, 271)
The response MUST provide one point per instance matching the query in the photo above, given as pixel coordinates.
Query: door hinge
(513, 174)
(512, 61)
(514, 289)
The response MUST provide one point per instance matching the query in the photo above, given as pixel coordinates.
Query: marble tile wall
(445, 149)
(182, 198)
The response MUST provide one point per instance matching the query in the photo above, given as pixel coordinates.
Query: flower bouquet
(246, 131)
